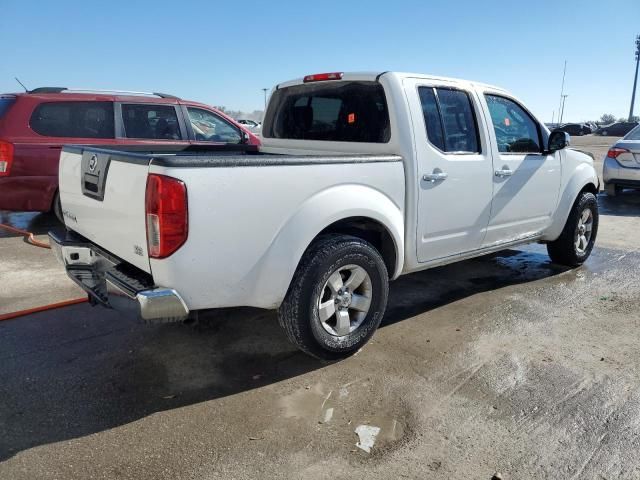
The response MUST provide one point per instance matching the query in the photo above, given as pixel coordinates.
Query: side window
(460, 130)
(73, 119)
(157, 122)
(516, 131)
(209, 127)
(450, 121)
(432, 117)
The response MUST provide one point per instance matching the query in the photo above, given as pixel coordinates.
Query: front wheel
(337, 297)
(575, 244)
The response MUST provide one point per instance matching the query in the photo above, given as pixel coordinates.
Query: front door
(454, 170)
(526, 181)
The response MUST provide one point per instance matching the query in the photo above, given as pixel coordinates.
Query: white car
(622, 164)
(362, 177)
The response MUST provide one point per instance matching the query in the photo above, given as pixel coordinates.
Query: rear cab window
(342, 111)
(73, 119)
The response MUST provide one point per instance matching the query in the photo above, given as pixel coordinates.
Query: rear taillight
(6, 158)
(319, 77)
(615, 152)
(166, 215)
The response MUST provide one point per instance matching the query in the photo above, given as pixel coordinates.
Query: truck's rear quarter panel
(249, 226)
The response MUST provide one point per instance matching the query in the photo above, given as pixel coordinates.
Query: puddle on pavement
(306, 403)
(386, 431)
(343, 411)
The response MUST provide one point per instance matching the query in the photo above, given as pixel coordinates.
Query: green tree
(607, 118)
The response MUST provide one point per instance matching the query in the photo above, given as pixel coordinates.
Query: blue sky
(224, 53)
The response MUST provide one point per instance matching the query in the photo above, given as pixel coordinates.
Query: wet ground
(28, 276)
(505, 363)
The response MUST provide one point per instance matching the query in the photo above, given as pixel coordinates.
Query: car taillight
(166, 215)
(614, 152)
(6, 158)
(319, 77)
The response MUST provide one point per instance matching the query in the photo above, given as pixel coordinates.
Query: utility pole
(635, 79)
(553, 116)
(562, 93)
(564, 97)
(265, 98)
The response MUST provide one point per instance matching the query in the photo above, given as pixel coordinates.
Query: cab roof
(375, 75)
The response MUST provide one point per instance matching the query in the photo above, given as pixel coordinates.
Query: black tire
(564, 250)
(299, 313)
(57, 208)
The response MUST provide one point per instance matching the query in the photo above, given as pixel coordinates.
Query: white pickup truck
(362, 177)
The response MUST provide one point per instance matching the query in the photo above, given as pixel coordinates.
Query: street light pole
(265, 98)
(564, 72)
(564, 97)
(635, 79)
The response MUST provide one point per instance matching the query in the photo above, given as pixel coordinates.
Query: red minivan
(35, 125)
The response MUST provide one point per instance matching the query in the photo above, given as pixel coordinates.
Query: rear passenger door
(526, 180)
(454, 169)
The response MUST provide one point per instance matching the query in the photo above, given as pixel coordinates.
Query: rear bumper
(27, 193)
(613, 172)
(114, 283)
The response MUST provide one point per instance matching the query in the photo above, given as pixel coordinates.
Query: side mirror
(558, 140)
(244, 137)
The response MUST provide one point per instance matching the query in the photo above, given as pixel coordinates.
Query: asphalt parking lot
(505, 363)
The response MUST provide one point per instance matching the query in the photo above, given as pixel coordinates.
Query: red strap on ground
(51, 306)
(28, 235)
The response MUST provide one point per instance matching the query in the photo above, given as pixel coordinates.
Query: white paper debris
(367, 435)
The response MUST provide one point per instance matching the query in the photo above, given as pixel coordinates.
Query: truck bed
(240, 202)
(221, 156)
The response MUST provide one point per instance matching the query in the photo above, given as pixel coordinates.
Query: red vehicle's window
(157, 122)
(73, 119)
(209, 127)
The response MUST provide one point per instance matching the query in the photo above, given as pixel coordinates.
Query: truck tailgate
(103, 199)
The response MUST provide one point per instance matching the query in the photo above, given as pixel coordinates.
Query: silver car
(622, 164)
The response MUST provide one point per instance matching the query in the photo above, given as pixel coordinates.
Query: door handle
(505, 172)
(434, 177)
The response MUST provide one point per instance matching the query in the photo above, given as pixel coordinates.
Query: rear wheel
(57, 207)
(337, 297)
(575, 244)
